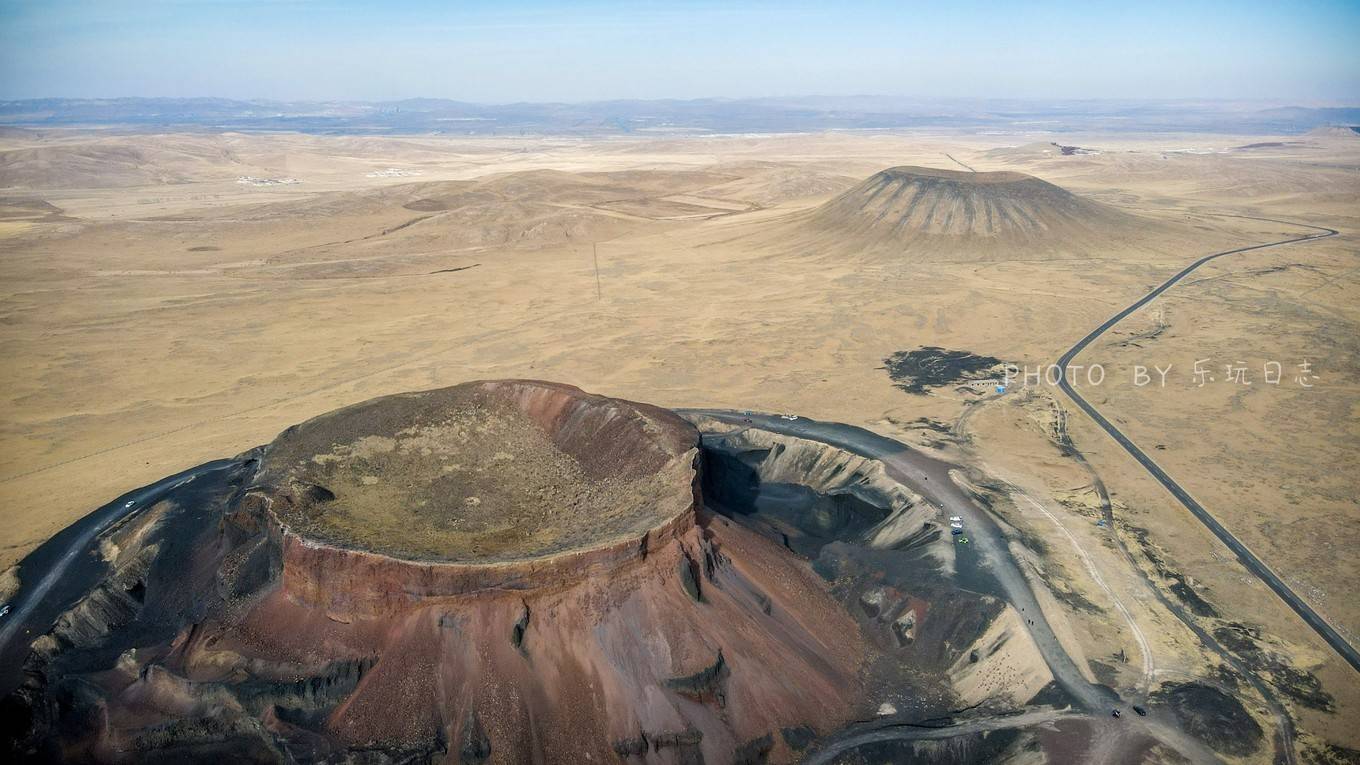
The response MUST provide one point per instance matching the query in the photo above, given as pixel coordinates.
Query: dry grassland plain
(163, 306)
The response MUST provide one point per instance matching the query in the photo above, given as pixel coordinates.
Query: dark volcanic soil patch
(1068, 151)
(1105, 674)
(1331, 754)
(1180, 585)
(1298, 684)
(923, 618)
(932, 367)
(792, 514)
(1212, 716)
(969, 749)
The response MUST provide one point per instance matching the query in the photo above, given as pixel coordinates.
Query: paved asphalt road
(930, 478)
(1115, 740)
(1245, 555)
(34, 607)
(902, 732)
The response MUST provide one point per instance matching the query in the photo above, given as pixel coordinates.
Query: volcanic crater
(341, 595)
(945, 214)
(482, 473)
(517, 571)
(491, 484)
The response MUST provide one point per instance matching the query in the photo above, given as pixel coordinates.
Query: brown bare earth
(157, 313)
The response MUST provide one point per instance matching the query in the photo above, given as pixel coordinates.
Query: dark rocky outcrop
(689, 579)
(754, 752)
(706, 685)
(518, 629)
(476, 747)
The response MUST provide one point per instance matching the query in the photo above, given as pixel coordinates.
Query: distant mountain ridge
(707, 115)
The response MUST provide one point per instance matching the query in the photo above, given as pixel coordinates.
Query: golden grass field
(158, 313)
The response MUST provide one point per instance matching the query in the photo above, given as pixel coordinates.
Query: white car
(129, 503)
(955, 525)
(789, 417)
(4, 609)
(955, 518)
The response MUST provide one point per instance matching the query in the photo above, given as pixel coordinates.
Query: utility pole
(595, 253)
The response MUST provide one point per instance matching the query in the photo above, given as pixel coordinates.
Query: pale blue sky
(535, 51)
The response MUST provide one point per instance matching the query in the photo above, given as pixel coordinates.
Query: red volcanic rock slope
(266, 627)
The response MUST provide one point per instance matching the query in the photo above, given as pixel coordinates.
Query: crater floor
(484, 472)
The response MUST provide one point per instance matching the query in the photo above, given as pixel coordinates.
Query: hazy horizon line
(887, 97)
